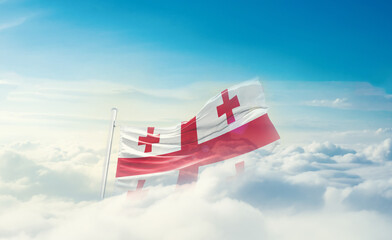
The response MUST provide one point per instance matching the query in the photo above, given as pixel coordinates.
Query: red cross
(227, 106)
(149, 139)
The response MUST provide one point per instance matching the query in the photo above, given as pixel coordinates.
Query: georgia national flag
(232, 123)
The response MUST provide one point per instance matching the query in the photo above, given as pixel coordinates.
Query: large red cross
(227, 106)
(149, 139)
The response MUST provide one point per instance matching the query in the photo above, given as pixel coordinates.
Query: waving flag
(232, 123)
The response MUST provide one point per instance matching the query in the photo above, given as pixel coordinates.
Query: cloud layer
(319, 190)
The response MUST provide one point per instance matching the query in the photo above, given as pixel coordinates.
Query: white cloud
(366, 89)
(88, 102)
(33, 106)
(383, 131)
(67, 172)
(336, 103)
(380, 152)
(328, 148)
(33, 89)
(185, 214)
(287, 193)
(14, 23)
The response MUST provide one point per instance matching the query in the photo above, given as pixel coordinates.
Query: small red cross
(227, 106)
(149, 139)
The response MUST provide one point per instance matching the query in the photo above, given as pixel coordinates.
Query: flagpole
(109, 150)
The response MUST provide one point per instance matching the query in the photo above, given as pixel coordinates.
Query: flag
(230, 124)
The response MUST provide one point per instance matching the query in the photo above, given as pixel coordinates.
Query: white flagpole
(109, 150)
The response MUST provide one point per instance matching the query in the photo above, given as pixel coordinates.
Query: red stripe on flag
(248, 137)
(188, 135)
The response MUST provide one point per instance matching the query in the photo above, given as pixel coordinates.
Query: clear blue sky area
(167, 41)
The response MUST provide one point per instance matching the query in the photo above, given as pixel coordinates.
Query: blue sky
(326, 65)
(166, 42)
(326, 69)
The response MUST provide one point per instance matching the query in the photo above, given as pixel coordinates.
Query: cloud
(185, 214)
(73, 106)
(328, 148)
(366, 89)
(383, 131)
(380, 152)
(33, 89)
(358, 139)
(336, 103)
(88, 102)
(12, 24)
(289, 192)
(43, 117)
(71, 173)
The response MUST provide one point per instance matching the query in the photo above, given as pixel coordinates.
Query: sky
(326, 68)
